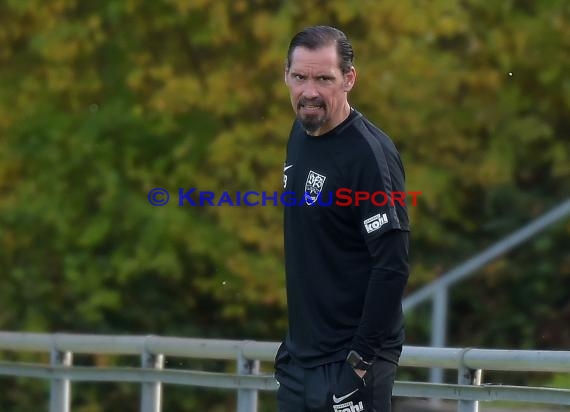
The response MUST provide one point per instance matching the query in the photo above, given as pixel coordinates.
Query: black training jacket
(346, 264)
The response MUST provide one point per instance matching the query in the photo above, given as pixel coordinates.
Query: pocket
(359, 380)
(348, 379)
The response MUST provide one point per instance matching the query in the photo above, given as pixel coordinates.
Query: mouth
(310, 107)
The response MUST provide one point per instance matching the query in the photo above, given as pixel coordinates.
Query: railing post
(151, 392)
(468, 376)
(247, 398)
(60, 389)
(438, 334)
(438, 327)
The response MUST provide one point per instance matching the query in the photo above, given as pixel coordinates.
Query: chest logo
(313, 187)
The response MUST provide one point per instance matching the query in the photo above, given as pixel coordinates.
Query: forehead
(323, 59)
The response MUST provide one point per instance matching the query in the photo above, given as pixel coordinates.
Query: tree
(105, 101)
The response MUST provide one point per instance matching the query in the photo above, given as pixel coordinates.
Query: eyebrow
(325, 75)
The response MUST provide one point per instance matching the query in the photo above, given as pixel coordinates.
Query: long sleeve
(388, 278)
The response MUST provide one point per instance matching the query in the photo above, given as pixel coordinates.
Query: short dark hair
(315, 37)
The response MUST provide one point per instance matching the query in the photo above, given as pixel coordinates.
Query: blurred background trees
(103, 101)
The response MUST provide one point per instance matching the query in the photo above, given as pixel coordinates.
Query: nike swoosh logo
(287, 167)
(342, 398)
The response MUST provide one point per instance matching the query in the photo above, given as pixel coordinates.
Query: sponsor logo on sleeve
(375, 222)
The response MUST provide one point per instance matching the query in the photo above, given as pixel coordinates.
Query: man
(346, 266)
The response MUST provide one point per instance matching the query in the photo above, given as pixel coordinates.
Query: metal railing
(152, 375)
(438, 290)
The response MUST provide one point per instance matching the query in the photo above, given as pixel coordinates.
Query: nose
(310, 90)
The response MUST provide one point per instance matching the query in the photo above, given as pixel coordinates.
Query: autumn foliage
(102, 101)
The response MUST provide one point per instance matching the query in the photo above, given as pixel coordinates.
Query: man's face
(318, 89)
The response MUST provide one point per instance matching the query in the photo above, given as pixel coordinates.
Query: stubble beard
(312, 123)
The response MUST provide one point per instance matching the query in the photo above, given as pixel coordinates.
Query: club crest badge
(313, 187)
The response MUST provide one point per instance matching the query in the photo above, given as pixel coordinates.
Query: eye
(298, 77)
(326, 79)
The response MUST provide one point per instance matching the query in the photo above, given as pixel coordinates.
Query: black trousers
(334, 387)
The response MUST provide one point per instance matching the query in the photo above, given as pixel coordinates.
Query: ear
(285, 76)
(349, 79)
